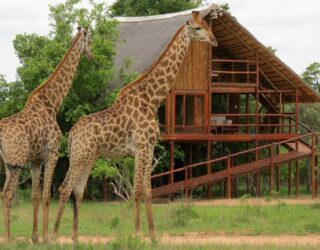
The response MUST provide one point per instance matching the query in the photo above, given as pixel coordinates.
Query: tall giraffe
(33, 135)
(129, 127)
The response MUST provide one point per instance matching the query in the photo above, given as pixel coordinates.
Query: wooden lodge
(233, 110)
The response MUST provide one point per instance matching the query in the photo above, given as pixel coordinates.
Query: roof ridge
(205, 8)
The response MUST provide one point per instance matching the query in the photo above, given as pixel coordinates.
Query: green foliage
(225, 6)
(310, 113)
(184, 213)
(127, 243)
(151, 7)
(103, 169)
(312, 75)
(12, 97)
(271, 49)
(114, 223)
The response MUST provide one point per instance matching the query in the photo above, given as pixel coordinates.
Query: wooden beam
(268, 80)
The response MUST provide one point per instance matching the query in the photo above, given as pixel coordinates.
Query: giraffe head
(85, 42)
(199, 30)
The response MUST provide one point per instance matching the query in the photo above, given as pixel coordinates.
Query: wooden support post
(278, 178)
(289, 178)
(105, 189)
(258, 183)
(171, 177)
(247, 112)
(278, 171)
(257, 92)
(189, 173)
(297, 111)
(313, 167)
(229, 178)
(297, 178)
(271, 168)
(209, 187)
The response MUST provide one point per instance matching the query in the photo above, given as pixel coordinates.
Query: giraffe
(128, 127)
(32, 136)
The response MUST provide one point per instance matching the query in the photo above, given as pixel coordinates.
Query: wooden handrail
(205, 163)
(233, 60)
(233, 72)
(254, 114)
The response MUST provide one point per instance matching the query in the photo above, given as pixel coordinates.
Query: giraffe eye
(198, 28)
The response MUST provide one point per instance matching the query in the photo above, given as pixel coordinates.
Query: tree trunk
(105, 189)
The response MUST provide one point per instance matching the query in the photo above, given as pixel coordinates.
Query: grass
(114, 218)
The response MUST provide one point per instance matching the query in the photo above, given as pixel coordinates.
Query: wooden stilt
(229, 178)
(209, 187)
(297, 178)
(313, 167)
(289, 178)
(278, 178)
(271, 168)
(278, 170)
(258, 183)
(171, 178)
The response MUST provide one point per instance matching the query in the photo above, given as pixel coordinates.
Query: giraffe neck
(156, 83)
(52, 93)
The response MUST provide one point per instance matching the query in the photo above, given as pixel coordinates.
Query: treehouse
(231, 119)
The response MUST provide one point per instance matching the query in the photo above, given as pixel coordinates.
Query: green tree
(310, 113)
(312, 75)
(151, 7)
(12, 97)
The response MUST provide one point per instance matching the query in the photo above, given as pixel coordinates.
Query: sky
(290, 26)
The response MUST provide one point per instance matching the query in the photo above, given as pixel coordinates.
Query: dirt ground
(208, 238)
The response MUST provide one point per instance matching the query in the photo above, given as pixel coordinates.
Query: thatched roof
(143, 39)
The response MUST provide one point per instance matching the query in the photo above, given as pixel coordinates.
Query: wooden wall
(193, 74)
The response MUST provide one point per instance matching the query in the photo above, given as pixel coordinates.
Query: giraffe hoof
(54, 237)
(75, 238)
(35, 239)
(45, 239)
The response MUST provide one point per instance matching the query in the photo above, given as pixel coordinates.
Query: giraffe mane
(144, 75)
(41, 86)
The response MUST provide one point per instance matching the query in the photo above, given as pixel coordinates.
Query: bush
(128, 243)
(184, 213)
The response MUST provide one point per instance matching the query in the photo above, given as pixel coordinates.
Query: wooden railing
(234, 71)
(253, 123)
(257, 153)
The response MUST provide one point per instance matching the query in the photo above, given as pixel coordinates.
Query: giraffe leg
(36, 198)
(9, 190)
(138, 182)
(76, 170)
(64, 192)
(78, 194)
(48, 172)
(148, 195)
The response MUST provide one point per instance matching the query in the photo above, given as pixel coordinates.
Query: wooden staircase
(297, 147)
